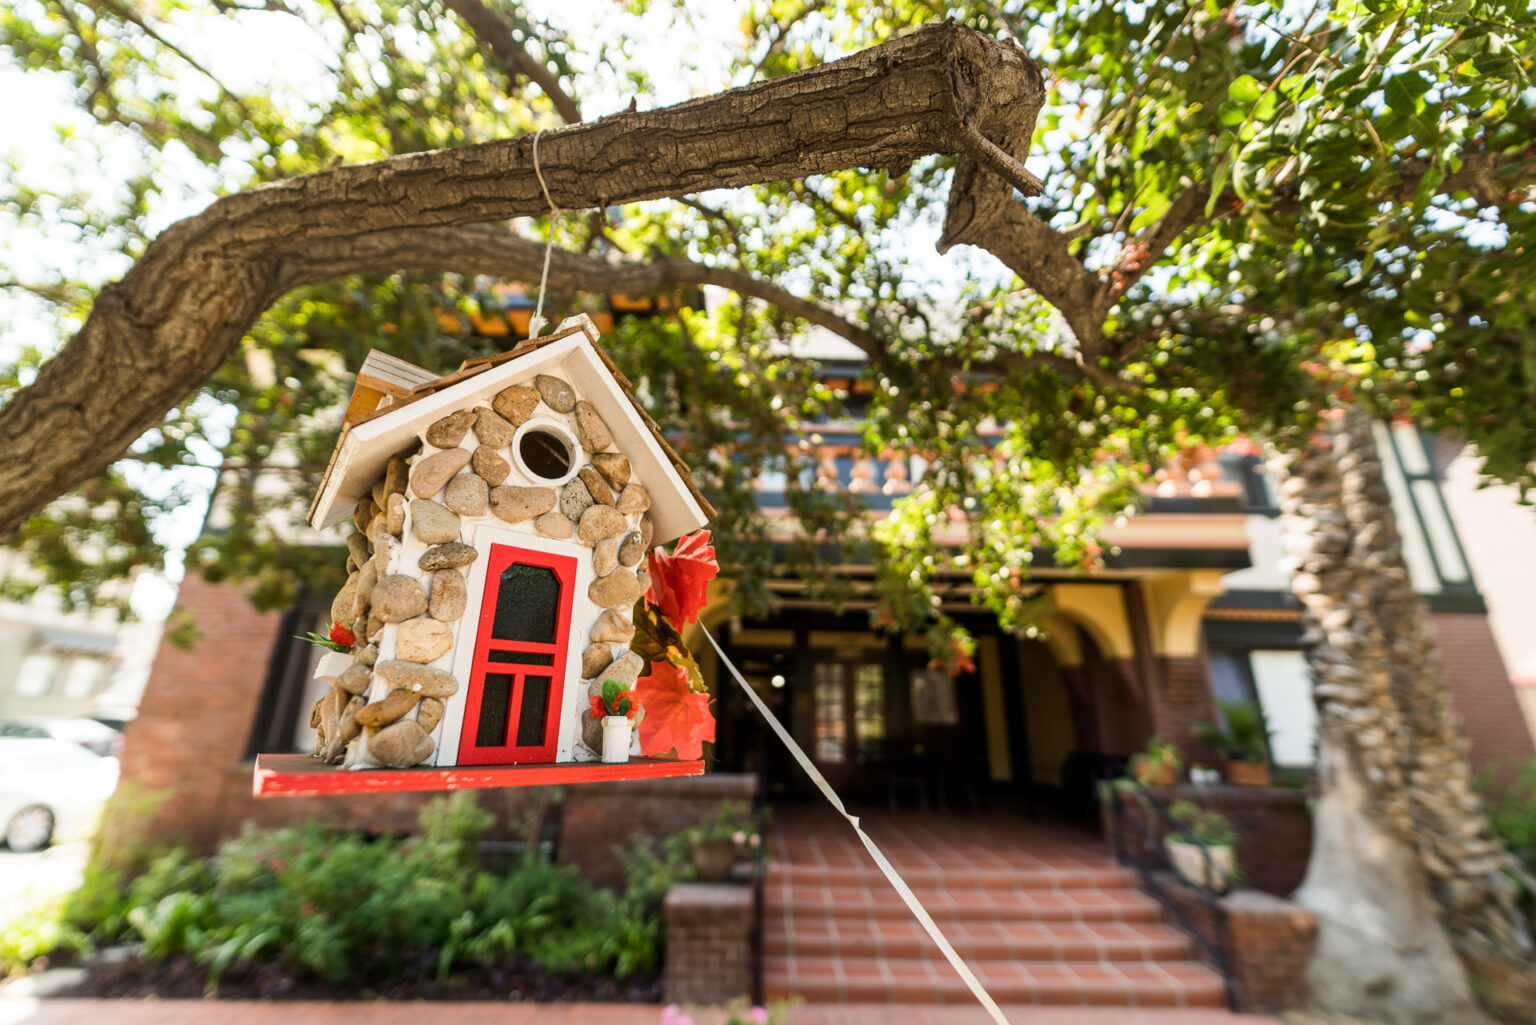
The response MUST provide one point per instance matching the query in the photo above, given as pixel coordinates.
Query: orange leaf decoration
(675, 717)
(679, 581)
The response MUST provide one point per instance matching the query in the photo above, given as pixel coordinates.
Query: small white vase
(617, 730)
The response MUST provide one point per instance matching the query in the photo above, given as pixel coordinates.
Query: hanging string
(892, 876)
(536, 322)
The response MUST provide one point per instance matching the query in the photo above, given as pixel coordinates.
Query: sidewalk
(28, 1011)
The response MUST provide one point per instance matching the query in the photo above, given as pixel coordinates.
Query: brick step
(945, 905)
(992, 880)
(869, 980)
(977, 941)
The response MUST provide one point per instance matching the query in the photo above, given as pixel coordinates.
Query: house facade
(1193, 605)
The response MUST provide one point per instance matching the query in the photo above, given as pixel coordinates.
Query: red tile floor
(1039, 911)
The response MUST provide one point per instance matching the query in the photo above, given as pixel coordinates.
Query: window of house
(933, 698)
(1279, 680)
(34, 677)
(84, 677)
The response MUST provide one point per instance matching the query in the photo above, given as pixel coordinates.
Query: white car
(96, 737)
(50, 789)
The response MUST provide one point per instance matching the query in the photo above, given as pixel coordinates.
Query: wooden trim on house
(279, 775)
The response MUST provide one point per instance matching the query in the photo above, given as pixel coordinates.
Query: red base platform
(303, 776)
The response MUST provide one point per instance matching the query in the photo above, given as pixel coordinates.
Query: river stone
(372, 630)
(433, 524)
(430, 474)
(515, 504)
(595, 435)
(466, 495)
(377, 493)
(597, 487)
(613, 466)
(624, 670)
(418, 679)
(423, 640)
(574, 500)
(347, 727)
(394, 513)
(402, 745)
(367, 655)
(391, 707)
(449, 556)
(634, 499)
(448, 595)
(384, 553)
(595, 659)
(613, 628)
(357, 547)
(556, 393)
(553, 524)
(367, 578)
(429, 713)
(363, 513)
(450, 430)
(647, 532)
(397, 598)
(599, 522)
(605, 556)
(516, 404)
(377, 528)
(396, 476)
(491, 467)
(618, 590)
(632, 550)
(341, 607)
(491, 429)
(355, 678)
(592, 733)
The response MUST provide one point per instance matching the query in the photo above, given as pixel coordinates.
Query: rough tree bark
(1382, 951)
(152, 337)
(1471, 874)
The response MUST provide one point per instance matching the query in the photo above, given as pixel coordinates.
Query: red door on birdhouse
(512, 711)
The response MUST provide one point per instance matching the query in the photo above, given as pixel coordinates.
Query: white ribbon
(897, 883)
(536, 322)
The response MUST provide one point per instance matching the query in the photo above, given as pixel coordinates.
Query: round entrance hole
(545, 451)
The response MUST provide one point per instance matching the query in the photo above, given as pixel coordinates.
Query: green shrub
(1511, 804)
(347, 909)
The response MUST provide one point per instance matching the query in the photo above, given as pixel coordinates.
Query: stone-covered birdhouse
(503, 516)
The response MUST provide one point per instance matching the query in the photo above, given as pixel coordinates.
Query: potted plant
(1208, 863)
(615, 708)
(1243, 741)
(714, 844)
(1158, 764)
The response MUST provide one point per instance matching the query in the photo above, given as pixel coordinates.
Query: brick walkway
(22, 1011)
(1040, 912)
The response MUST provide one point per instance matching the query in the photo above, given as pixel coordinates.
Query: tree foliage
(1247, 210)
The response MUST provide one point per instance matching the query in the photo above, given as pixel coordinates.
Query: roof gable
(370, 437)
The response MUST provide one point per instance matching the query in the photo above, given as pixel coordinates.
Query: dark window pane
(525, 658)
(531, 716)
(495, 703)
(526, 605)
(545, 453)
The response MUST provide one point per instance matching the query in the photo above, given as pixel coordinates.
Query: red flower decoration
(679, 581)
(342, 636)
(598, 711)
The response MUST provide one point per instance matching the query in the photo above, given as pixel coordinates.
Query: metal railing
(1148, 857)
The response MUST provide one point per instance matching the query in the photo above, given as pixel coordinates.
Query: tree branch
(181, 310)
(516, 62)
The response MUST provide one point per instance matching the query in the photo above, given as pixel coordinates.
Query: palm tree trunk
(1471, 874)
(1382, 951)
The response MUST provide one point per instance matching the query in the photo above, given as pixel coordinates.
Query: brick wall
(1479, 685)
(1273, 825)
(709, 943)
(599, 819)
(1266, 941)
(189, 741)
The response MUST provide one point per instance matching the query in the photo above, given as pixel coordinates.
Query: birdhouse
(503, 516)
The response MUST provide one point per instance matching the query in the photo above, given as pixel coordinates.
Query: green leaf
(1245, 89)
